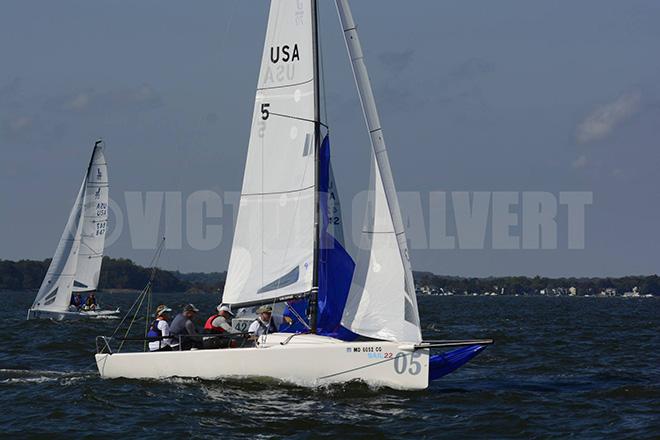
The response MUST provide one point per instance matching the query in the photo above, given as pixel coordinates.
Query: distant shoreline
(120, 275)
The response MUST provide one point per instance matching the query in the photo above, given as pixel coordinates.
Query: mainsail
(94, 224)
(273, 252)
(382, 302)
(72, 266)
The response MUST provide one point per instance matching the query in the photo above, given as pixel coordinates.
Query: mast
(377, 140)
(313, 298)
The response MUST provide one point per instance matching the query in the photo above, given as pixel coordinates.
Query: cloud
(398, 98)
(580, 162)
(90, 101)
(604, 119)
(16, 127)
(78, 102)
(396, 62)
(211, 118)
(32, 128)
(472, 68)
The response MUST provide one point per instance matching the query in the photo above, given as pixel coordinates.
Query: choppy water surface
(582, 367)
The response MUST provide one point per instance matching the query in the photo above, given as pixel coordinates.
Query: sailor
(76, 300)
(182, 325)
(220, 324)
(159, 329)
(221, 321)
(90, 302)
(264, 324)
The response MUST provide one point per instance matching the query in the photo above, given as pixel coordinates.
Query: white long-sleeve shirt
(259, 328)
(164, 328)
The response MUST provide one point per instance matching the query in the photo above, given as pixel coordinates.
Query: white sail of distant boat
(345, 321)
(93, 225)
(76, 265)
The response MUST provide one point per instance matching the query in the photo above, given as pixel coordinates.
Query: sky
(475, 97)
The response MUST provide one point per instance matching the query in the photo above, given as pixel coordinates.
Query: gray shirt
(181, 326)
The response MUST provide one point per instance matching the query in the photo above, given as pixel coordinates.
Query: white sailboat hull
(61, 316)
(306, 360)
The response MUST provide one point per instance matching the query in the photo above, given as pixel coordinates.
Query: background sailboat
(76, 265)
(285, 252)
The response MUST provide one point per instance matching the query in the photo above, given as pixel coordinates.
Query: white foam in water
(38, 376)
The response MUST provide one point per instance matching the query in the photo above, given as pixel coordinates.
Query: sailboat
(76, 265)
(346, 320)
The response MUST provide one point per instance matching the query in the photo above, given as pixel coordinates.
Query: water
(581, 367)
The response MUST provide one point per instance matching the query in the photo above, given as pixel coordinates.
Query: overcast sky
(474, 96)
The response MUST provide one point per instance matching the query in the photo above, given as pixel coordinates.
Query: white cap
(225, 308)
(162, 309)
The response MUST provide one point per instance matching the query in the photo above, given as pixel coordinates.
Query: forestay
(94, 224)
(381, 303)
(273, 250)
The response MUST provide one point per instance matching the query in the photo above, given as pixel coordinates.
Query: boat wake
(98, 317)
(17, 376)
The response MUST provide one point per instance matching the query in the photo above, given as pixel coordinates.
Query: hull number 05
(404, 362)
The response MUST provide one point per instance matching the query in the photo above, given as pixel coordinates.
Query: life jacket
(209, 325)
(154, 333)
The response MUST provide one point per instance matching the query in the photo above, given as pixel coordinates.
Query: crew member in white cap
(220, 324)
(264, 323)
(221, 321)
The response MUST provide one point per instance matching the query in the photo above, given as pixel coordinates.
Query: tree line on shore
(122, 273)
(518, 285)
(116, 273)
